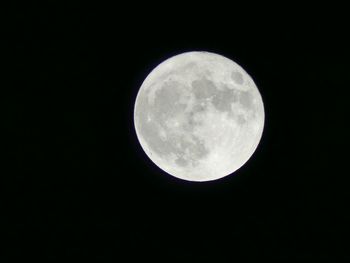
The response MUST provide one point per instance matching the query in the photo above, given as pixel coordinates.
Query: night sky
(78, 185)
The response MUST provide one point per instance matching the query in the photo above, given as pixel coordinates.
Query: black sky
(78, 185)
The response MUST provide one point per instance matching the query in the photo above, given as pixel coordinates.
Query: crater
(237, 77)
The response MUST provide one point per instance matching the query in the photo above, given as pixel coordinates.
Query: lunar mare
(199, 116)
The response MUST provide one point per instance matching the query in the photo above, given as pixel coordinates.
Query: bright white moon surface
(199, 116)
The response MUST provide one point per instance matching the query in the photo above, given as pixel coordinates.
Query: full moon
(199, 116)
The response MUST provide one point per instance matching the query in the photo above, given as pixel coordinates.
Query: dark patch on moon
(166, 105)
(246, 100)
(240, 118)
(180, 161)
(223, 99)
(195, 148)
(166, 101)
(203, 88)
(237, 77)
(206, 92)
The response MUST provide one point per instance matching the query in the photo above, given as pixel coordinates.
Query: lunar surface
(199, 116)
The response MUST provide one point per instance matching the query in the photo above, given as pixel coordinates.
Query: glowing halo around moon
(199, 116)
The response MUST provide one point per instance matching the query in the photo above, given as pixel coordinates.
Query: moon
(199, 116)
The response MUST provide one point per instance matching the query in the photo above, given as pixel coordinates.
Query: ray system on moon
(199, 116)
